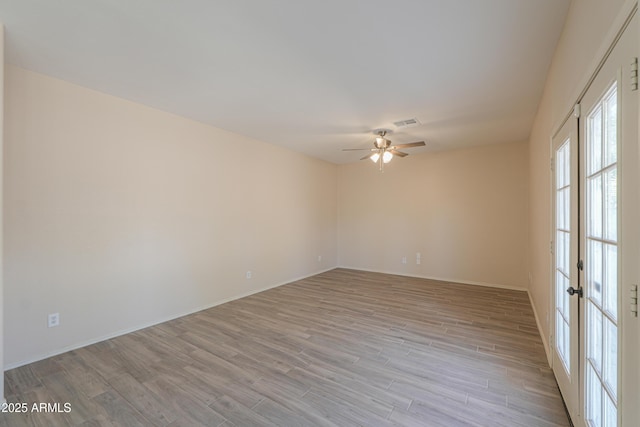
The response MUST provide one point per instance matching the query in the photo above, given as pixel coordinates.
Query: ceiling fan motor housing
(382, 142)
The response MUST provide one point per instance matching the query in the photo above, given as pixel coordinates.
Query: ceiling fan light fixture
(384, 150)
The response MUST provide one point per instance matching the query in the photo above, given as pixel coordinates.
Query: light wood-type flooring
(342, 348)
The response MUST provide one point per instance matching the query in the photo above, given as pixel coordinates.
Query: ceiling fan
(383, 151)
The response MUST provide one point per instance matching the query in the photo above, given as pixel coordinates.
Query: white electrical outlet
(53, 320)
(249, 274)
(418, 260)
(319, 258)
(404, 259)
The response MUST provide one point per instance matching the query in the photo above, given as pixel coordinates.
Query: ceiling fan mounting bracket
(382, 132)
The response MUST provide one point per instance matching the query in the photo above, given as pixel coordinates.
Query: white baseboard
(440, 279)
(81, 344)
(544, 338)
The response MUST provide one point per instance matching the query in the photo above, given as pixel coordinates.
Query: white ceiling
(314, 76)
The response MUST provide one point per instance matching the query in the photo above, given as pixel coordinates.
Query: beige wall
(580, 48)
(118, 216)
(465, 212)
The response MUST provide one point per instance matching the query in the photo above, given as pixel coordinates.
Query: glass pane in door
(601, 272)
(563, 253)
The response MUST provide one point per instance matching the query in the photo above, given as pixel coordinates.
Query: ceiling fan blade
(411, 144)
(367, 156)
(358, 149)
(397, 153)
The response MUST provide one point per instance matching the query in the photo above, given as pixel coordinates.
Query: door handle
(572, 291)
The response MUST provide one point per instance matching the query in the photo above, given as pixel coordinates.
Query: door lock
(572, 291)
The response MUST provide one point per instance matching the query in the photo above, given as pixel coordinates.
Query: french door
(565, 242)
(595, 257)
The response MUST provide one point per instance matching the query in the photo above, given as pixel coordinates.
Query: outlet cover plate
(53, 320)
